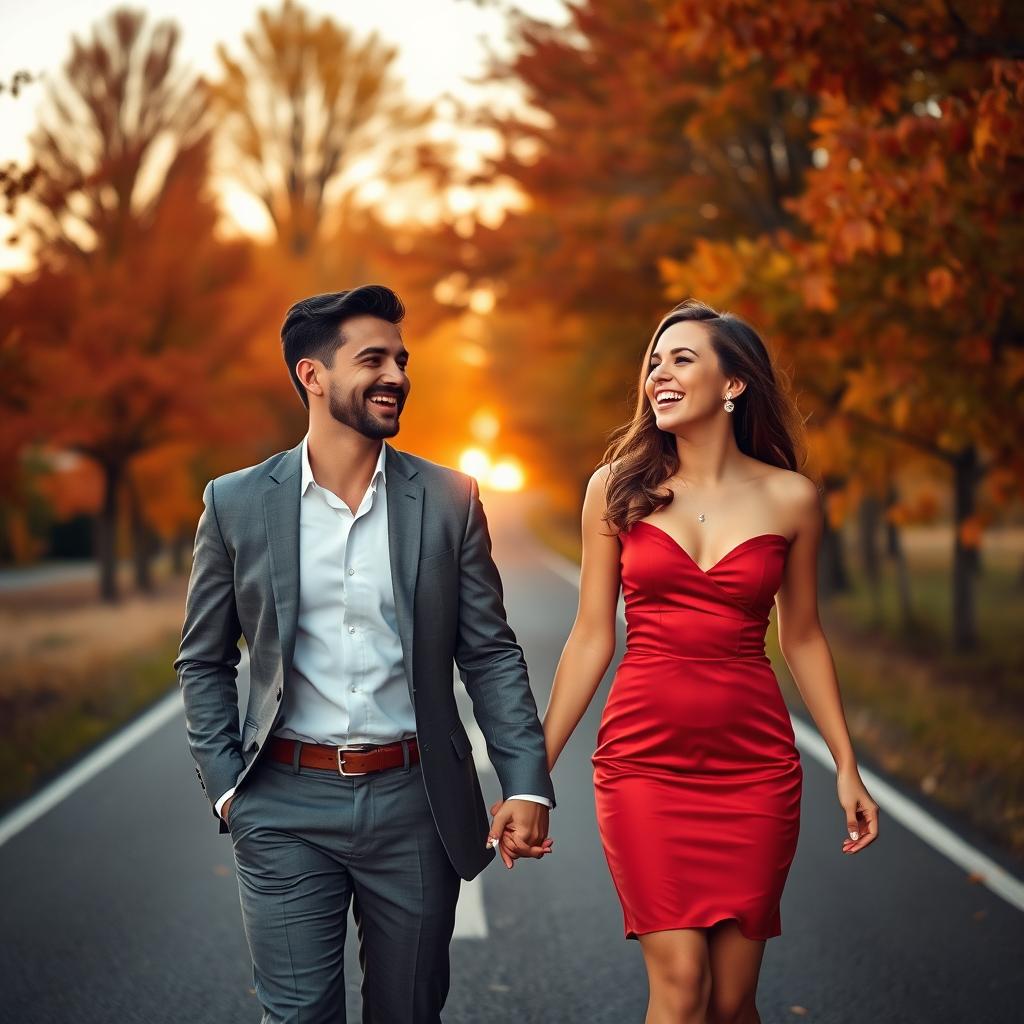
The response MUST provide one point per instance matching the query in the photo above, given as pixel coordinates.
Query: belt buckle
(341, 767)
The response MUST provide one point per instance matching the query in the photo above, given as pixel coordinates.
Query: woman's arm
(807, 654)
(591, 643)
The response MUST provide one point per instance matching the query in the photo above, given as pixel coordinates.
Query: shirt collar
(379, 472)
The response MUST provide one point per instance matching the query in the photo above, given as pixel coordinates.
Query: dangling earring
(729, 404)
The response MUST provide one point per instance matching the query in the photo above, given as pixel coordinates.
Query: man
(357, 575)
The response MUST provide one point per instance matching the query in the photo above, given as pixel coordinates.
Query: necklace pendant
(700, 518)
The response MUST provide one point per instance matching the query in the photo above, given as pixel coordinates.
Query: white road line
(921, 823)
(470, 917)
(92, 764)
(892, 803)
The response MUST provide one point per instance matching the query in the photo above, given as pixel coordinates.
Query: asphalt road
(120, 903)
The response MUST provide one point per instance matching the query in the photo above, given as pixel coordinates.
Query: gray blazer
(448, 602)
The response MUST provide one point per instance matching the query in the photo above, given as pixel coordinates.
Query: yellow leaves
(818, 291)
(855, 236)
(722, 273)
(901, 410)
(838, 505)
(713, 273)
(865, 389)
(892, 241)
(941, 285)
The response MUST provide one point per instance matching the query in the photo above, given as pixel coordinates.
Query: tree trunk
(869, 520)
(894, 549)
(832, 575)
(143, 541)
(106, 532)
(966, 475)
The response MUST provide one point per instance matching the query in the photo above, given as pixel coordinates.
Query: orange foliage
(73, 487)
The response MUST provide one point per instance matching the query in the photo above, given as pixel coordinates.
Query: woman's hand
(861, 811)
(510, 846)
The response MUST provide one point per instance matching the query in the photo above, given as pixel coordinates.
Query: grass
(76, 669)
(43, 728)
(950, 725)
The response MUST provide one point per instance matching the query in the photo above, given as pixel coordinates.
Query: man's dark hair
(312, 327)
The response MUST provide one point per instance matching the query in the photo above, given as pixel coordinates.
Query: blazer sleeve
(207, 662)
(492, 666)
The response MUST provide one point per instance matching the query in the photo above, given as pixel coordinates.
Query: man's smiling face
(367, 386)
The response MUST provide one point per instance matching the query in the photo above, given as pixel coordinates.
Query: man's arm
(492, 666)
(208, 659)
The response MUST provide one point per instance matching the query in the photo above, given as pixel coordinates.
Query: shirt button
(351, 572)
(351, 629)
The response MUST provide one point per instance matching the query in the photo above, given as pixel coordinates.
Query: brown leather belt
(342, 760)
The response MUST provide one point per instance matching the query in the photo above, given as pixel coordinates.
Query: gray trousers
(307, 842)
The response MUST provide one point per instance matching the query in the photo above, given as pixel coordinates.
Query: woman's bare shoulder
(598, 482)
(793, 491)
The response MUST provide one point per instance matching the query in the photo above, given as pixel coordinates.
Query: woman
(700, 515)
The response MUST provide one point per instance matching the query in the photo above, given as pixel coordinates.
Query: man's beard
(355, 413)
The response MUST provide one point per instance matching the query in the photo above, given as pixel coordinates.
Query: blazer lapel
(405, 523)
(281, 514)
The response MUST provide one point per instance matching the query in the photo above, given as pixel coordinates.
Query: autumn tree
(906, 257)
(846, 175)
(626, 150)
(110, 128)
(305, 110)
(123, 323)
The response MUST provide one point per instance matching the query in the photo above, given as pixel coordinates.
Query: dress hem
(635, 933)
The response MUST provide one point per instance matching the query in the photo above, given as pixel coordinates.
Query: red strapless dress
(697, 776)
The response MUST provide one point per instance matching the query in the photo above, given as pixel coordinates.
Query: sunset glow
(504, 475)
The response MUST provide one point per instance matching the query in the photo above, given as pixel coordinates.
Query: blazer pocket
(249, 731)
(438, 557)
(461, 743)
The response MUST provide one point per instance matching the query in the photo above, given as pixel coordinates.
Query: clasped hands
(519, 828)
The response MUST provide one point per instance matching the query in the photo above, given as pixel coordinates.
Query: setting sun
(504, 475)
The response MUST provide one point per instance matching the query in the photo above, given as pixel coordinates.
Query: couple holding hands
(358, 575)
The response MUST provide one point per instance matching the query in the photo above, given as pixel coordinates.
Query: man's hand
(226, 809)
(519, 829)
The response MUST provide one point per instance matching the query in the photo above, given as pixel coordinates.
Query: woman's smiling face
(684, 380)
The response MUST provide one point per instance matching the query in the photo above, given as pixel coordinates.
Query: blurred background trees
(846, 176)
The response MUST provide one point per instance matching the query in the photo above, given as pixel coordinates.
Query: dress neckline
(728, 554)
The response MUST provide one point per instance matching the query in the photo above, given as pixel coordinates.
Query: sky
(441, 42)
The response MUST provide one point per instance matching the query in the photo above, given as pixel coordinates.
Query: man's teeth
(384, 399)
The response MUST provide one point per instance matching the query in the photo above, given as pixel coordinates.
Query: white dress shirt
(347, 685)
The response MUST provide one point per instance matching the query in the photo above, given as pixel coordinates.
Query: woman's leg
(679, 975)
(735, 965)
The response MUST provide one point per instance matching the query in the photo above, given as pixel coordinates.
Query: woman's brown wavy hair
(765, 421)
